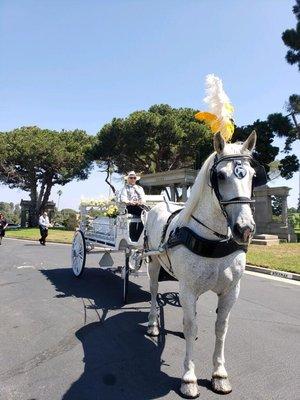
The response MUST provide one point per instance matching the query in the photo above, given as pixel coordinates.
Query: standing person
(3, 225)
(44, 225)
(133, 195)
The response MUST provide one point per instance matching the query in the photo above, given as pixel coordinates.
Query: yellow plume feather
(219, 119)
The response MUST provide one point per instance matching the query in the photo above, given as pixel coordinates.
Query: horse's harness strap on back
(201, 246)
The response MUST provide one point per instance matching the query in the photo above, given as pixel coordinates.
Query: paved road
(70, 339)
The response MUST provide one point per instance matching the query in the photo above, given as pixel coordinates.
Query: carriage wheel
(126, 276)
(78, 253)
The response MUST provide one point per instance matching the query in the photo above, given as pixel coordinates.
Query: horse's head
(233, 176)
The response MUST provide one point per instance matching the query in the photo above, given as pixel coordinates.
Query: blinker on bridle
(259, 179)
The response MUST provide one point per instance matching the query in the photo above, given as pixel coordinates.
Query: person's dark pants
(44, 234)
(134, 210)
(135, 228)
(2, 234)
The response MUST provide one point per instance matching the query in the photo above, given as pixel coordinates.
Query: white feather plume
(219, 104)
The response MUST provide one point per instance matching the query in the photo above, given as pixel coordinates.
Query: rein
(219, 235)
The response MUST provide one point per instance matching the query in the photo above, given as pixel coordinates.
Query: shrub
(71, 222)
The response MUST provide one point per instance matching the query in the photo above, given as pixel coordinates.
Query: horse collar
(201, 246)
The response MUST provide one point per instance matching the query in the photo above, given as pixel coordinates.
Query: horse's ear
(219, 143)
(250, 143)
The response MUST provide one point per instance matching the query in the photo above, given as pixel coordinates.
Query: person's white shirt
(132, 194)
(44, 221)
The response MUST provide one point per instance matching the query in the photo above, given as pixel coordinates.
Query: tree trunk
(39, 201)
(41, 194)
(107, 181)
(33, 214)
(46, 196)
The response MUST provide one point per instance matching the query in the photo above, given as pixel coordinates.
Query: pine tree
(291, 38)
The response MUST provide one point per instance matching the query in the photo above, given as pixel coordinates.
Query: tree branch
(107, 176)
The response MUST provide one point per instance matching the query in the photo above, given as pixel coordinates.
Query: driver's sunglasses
(132, 177)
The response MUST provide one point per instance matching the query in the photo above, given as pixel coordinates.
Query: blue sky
(77, 64)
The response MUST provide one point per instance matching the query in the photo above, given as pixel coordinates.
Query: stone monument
(25, 206)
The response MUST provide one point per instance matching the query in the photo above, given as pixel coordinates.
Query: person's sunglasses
(132, 177)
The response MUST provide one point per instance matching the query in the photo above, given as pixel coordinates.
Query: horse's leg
(189, 386)
(220, 381)
(153, 268)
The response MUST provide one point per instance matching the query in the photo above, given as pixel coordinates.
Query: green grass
(55, 234)
(284, 257)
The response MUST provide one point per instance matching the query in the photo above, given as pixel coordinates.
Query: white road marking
(274, 278)
(26, 266)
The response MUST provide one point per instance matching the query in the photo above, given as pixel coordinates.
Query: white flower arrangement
(102, 206)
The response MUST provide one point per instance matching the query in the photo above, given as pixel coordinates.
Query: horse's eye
(221, 176)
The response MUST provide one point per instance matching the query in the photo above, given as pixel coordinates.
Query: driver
(133, 195)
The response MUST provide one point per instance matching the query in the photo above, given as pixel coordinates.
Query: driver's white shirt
(132, 193)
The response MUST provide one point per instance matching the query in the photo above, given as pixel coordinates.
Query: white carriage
(123, 233)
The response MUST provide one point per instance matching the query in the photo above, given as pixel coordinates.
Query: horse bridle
(259, 179)
(184, 235)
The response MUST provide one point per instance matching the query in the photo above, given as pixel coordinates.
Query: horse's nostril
(245, 232)
(237, 229)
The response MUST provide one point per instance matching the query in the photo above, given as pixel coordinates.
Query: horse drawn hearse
(122, 233)
(203, 244)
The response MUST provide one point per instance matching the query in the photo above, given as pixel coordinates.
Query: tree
(265, 152)
(65, 217)
(165, 138)
(34, 160)
(276, 203)
(159, 139)
(11, 212)
(283, 126)
(291, 38)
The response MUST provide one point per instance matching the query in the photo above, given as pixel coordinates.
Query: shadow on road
(120, 362)
(102, 288)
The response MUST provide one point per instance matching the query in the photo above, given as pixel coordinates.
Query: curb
(280, 274)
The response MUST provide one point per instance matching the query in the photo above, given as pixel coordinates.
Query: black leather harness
(201, 246)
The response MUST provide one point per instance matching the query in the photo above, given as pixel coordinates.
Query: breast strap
(201, 246)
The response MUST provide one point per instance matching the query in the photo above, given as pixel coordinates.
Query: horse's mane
(202, 181)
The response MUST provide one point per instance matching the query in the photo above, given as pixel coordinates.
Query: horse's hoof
(189, 390)
(221, 385)
(153, 330)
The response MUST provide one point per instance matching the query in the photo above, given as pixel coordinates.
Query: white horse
(219, 203)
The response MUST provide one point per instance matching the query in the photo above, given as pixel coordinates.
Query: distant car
(57, 225)
(13, 226)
